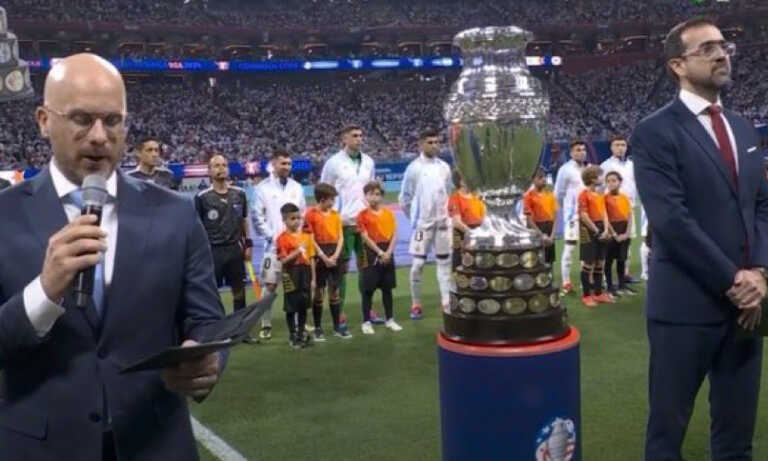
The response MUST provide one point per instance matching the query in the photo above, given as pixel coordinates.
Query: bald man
(63, 397)
(223, 210)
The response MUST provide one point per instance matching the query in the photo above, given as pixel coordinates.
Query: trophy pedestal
(505, 297)
(507, 402)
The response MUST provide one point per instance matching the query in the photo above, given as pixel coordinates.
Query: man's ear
(41, 115)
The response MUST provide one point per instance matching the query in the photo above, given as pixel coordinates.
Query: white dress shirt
(43, 312)
(698, 106)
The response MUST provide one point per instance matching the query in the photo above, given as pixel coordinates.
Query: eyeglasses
(709, 50)
(113, 121)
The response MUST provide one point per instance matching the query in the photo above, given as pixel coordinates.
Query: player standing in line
(619, 163)
(268, 198)
(424, 198)
(568, 185)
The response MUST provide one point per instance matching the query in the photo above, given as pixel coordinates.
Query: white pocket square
(751, 149)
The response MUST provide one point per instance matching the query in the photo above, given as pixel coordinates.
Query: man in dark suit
(701, 180)
(62, 395)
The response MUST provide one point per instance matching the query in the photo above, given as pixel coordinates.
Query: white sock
(444, 280)
(565, 263)
(417, 268)
(644, 254)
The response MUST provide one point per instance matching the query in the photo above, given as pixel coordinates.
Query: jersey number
(267, 263)
(419, 236)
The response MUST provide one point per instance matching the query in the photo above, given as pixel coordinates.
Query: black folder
(227, 332)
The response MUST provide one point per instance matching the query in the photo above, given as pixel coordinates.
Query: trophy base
(506, 331)
(505, 296)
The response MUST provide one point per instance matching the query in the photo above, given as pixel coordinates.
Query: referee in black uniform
(223, 209)
(150, 165)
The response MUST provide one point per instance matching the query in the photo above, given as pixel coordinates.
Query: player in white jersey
(268, 197)
(568, 185)
(424, 193)
(619, 163)
(349, 170)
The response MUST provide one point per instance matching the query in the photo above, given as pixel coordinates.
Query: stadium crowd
(244, 121)
(366, 13)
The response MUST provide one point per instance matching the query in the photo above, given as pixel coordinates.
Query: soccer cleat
(567, 288)
(614, 292)
(294, 342)
(375, 318)
(306, 340)
(604, 298)
(367, 328)
(392, 325)
(416, 313)
(588, 301)
(250, 340)
(265, 333)
(342, 332)
(627, 291)
(319, 336)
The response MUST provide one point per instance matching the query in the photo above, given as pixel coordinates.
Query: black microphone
(95, 194)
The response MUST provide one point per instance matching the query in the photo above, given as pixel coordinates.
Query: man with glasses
(700, 178)
(64, 397)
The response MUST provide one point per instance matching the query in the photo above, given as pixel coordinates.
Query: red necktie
(726, 151)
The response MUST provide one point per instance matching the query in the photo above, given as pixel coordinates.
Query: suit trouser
(680, 357)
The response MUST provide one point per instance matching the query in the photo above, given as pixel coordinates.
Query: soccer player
(467, 211)
(540, 209)
(619, 163)
(618, 207)
(324, 223)
(268, 198)
(568, 185)
(424, 198)
(223, 210)
(296, 252)
(595, 230)
(377, 227)
(150, 165)
(349, 170)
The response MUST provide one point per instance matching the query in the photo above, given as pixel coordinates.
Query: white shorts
(422, 241)
(571, 231)
(270, 269)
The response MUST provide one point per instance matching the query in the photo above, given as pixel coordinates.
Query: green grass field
(376, 398)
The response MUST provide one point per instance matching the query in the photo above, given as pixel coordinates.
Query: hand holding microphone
(74, 251)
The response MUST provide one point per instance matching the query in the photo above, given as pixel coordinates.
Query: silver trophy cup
(497, 117)
(14, 72)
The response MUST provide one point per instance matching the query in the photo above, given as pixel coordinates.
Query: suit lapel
(134, 219)
(44, 211)
(741, 152)
(697, 132)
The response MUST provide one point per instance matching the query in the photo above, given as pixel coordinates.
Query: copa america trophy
(497, 117)
(14, 72)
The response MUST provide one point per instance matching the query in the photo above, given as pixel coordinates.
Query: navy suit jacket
(704, 228)
(162, 291)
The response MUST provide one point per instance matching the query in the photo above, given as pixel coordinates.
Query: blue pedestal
(511, 403)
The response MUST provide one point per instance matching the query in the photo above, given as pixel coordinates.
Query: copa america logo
(556, 441)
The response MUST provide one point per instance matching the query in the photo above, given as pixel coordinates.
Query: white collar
(427, 159)
(64, 186)
(696, 103)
